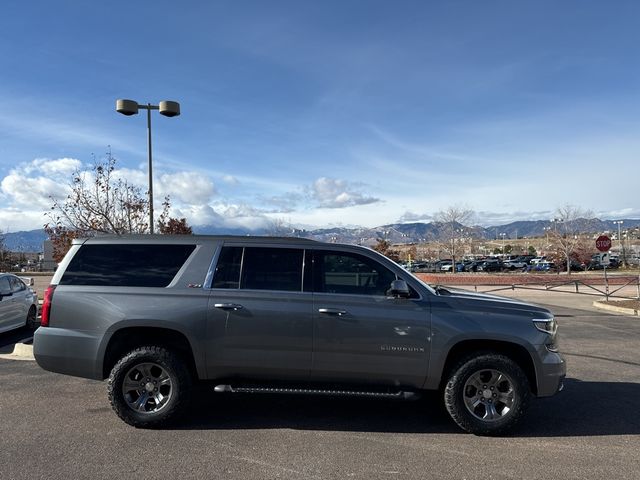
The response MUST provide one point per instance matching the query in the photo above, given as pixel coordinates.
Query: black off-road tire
(167, 361)
(454, 394)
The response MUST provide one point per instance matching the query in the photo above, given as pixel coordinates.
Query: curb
(21, 351)
(613, 308)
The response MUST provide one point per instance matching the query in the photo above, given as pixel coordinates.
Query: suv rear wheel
(487, 394)
(148, 386)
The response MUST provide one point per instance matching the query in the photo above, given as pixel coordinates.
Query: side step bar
(308, 391)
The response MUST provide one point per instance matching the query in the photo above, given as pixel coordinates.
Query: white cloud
(27, 191)
(336, 193)
(239, 211)
(16, 220)
(24, 191)
(135, 177)
(187, 187)
(231, 180)
(408, 217)
(49, 167)
(199, 215)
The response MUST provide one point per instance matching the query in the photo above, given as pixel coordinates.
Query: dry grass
(634, 303)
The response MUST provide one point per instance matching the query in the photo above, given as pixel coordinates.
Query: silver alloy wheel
(489, 394)
(147, 388)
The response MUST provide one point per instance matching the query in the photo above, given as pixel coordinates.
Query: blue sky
(327, 113)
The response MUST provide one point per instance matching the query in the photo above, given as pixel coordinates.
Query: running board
(310, 391)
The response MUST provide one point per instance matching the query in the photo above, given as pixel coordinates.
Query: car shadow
(581, 409)
(10, 338)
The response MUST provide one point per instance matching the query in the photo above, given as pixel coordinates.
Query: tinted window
(126, 265)
(227, 273)
(350, 273)
(272, 269)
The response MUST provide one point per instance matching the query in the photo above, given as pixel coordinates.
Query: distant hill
(31, 241)
(522, 229)
(26, 241)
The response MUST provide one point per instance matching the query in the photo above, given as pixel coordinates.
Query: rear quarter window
(123, 265)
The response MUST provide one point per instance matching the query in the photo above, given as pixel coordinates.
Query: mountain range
(31, 241)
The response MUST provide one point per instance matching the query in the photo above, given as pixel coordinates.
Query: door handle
(332, 311)
(228, 306)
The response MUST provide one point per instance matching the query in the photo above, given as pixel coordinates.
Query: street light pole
(150, 168)
(168, 109)
(622, 252)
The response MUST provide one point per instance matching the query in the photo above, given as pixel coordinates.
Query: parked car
(594, 263)
(489, 265)
(536, 260)
(446, 267)
(154, 314)
(543, 266)
(18, 304)
(514, 264)
(472, 266)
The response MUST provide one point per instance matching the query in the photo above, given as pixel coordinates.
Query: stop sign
(603, 243)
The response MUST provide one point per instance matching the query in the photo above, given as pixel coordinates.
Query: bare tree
(409, 254)
(61, 238)
(99, 202)
(453, 231)
(568, 229)
(382, 246)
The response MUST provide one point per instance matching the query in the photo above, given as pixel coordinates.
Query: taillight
(46, 306)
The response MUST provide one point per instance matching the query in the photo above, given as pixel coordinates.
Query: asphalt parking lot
(53, 426)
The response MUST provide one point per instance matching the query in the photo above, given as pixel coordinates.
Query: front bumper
(551, 372)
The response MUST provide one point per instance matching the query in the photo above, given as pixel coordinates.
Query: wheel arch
(128, 338)
(514, 351)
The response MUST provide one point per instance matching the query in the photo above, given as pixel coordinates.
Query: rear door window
(227, 274)
(126, 265)
(259, 268)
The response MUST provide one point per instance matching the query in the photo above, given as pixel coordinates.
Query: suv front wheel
(148, 386)
(487, 394)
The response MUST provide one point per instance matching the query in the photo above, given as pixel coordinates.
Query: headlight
(546, 325)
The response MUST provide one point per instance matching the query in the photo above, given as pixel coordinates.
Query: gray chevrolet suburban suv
(155, 314)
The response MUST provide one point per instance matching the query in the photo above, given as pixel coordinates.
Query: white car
(18, 304)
